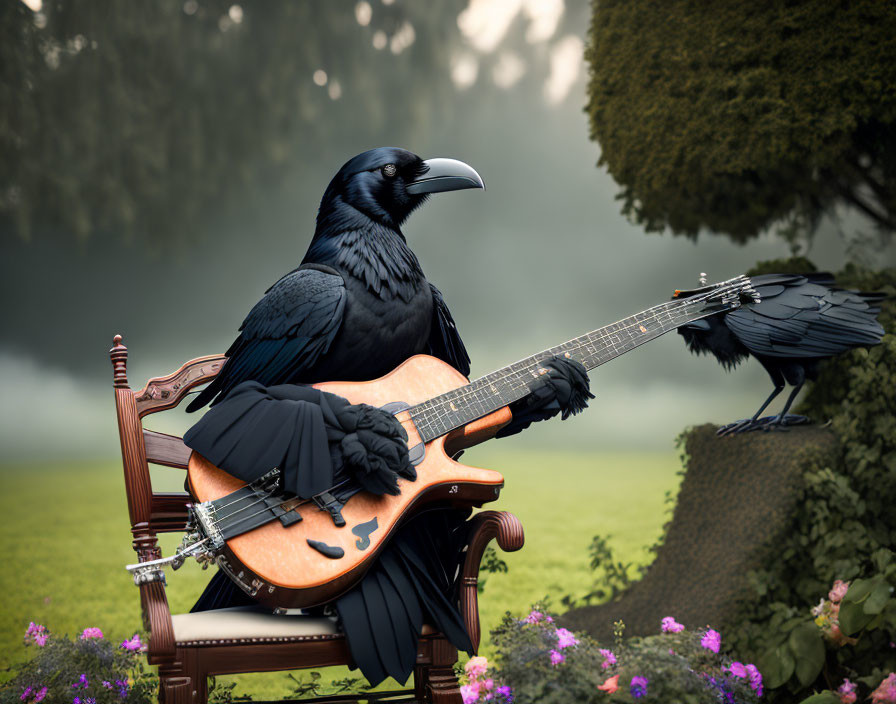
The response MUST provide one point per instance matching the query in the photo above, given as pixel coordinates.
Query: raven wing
(284, 334)
(804, 317)
(444, 340)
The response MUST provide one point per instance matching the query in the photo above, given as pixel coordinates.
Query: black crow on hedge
(798, 321)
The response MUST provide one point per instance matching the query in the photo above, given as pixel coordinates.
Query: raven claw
(745, 426)
(783, 422)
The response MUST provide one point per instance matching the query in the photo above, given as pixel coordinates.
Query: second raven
(799, 321)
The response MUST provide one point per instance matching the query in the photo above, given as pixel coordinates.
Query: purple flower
(565, 638)
(39, 697)
(107, 684)
(712, 640)
(638, 687)
(90, 700)
(133, 644)
(122, 688)
(76, 700)
(91, 633)
(670, 625)
(609, 658)
(26, 693)
(557, 657)
(82, 680)
(755, 679)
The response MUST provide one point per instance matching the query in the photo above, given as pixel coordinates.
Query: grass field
(65, 540)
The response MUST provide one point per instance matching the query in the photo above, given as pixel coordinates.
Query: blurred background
(162, 166)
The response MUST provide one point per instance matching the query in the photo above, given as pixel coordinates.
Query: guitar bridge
(329, 503)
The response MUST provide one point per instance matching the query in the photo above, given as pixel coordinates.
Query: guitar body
(277, 566)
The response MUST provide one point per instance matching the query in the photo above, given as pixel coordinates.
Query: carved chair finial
(119, 356)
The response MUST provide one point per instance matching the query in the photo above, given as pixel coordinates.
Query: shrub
(88, 669)
(538, 662)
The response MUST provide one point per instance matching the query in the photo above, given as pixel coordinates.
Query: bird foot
(784, 422)
(745, 426)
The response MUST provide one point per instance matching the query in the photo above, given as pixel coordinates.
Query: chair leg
(442, 686)
(439, 683)
(183, 682)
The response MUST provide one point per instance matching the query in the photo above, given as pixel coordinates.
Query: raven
(798, 321)
(357, 306)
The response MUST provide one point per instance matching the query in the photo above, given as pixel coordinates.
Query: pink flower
(489, 683)
(26, 693)
(469, 693)
(886, 690)
(670, 625)
(565, 639)
(534, 617)
(712, 640)
(737, 669)
(611, 684)
(91, 633)
(476, 667)
(609, 658)
(39, 697)
(36, 634)
(133, 644)
(557, 657)
(755, 679)
(838, 591)
(847, 692)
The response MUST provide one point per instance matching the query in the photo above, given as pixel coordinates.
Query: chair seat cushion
(249, 623)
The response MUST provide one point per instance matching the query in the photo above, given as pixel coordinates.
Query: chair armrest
(154, 605)
(487, 526)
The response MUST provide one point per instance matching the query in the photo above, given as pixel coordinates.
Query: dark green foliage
(492, 563)
(139, 119)
(845, 528)
(737, 116)
(309, 684)
(675, 666)
(78, 668)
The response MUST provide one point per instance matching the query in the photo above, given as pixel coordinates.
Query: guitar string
(424, 410)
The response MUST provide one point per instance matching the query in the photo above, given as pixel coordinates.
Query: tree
(137, 118)
(739, 116)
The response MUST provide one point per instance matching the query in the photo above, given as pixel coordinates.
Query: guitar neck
(442, 414)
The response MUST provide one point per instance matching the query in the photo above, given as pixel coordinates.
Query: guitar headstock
(722, 296)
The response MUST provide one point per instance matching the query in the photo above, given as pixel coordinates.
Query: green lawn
(65, 540)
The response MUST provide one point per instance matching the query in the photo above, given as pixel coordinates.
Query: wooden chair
(189, 647)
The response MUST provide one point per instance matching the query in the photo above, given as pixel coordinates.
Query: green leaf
(826, 697)
(806, 644)
(853, 617)
(776, 666)
(858, 590)
(878, 598)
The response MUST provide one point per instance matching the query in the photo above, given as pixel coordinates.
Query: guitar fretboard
(454, 409)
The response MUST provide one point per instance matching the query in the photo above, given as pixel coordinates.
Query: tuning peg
(702, 278)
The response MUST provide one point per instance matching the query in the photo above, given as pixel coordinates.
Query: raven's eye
(389, 170)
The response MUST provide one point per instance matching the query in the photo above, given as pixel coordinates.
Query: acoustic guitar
(289, 553)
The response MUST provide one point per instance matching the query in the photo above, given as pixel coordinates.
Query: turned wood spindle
(119, 356)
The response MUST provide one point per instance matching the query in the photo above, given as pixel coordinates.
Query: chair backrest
(153, 512)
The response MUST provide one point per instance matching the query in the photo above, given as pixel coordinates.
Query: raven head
(386, 184)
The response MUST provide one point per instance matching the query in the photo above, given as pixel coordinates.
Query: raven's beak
(445, 175)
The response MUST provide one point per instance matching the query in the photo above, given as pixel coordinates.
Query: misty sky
(541, 256)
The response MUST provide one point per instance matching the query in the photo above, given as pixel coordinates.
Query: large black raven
(357, 307)
(798, 321)
(359, 304)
